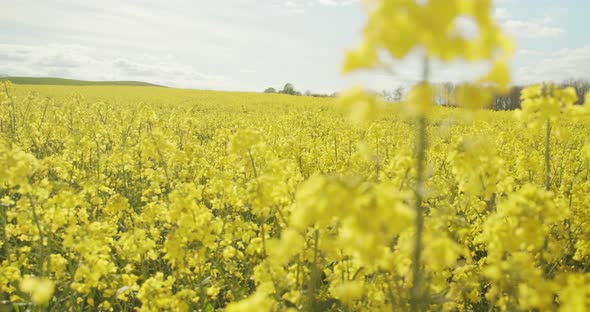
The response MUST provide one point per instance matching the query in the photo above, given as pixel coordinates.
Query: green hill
(72, 82)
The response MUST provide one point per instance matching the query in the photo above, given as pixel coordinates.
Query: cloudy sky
(254, 44)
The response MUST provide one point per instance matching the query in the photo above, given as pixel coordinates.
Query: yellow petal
(499, 74)
(473, 97)
(420, 100)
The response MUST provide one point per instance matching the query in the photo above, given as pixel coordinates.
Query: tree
(398, 94)
(507, 101)
(270, 90)
(580, 85)
(387, 95)
(445, 94)
(288, 89)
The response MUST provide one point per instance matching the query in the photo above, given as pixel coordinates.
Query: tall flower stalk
(416, 292)
(548, 155)
(398, 27)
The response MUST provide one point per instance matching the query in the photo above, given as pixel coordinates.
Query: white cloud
(560, 65)
(501, 14)
(81, 62)
(528, 52)
(527, 28)
(337, 2)
(299, 6)
(407, 73)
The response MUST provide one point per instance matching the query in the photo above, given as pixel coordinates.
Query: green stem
(12, 111)
(314, 281)
(3, 222)
(253, 164)
(42, 249)
(263, 237)
(548, 156)
(416, 292)
(262, 219)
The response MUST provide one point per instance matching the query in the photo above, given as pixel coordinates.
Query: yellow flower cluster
(438, 29)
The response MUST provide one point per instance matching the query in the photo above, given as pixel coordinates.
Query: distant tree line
(445, 94)
(290, 90)
(396, 95)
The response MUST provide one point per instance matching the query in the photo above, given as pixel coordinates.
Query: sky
(249, 45)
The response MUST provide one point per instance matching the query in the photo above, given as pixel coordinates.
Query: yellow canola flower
(574, 297)
(473, 97)
(244, 140)
(499, 75)
(366, 56)
(258, 302)
(568, 95)
(229, 253)
(348, 292)
(546, 102)
(289, 244)
(399, 26)
(156, 293)
(40, 289)
(420, 100)
(363, 107)
(441, 252)
(531, 91)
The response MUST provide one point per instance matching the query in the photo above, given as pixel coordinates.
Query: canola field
(123, 198)
(154, 199)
